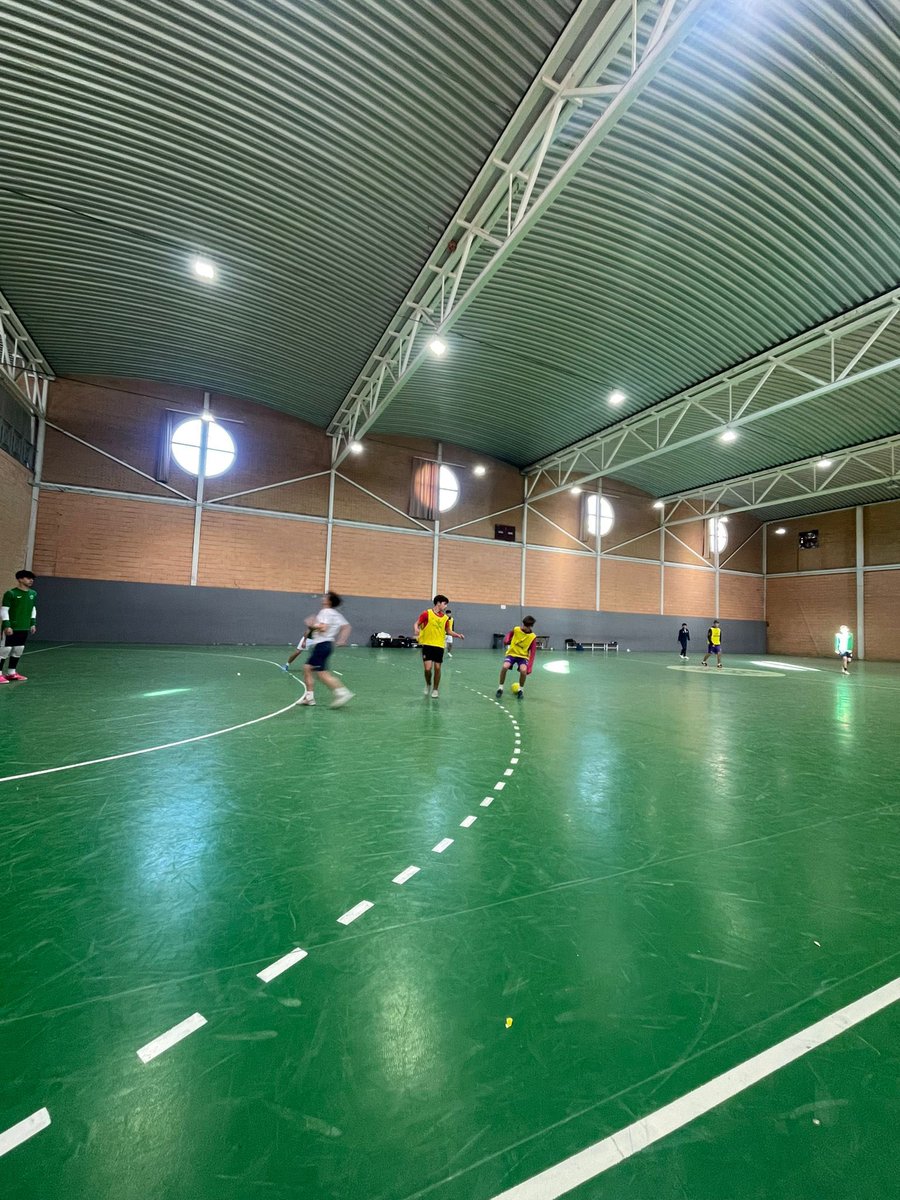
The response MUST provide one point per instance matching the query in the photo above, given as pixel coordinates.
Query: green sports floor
(671, 872)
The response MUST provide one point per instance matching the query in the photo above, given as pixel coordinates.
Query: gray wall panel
(89, 610)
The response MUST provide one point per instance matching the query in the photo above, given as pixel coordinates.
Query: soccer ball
(515, 688)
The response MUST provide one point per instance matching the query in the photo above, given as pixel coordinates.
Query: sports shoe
(520, 693)
(283, 667)
(703, 664)
(16, 676)
(499, 692)
(434, 694)
(3, 679)
(308, 700)
(341, 697)
(718, 666)
(844, 671)
(427, 691)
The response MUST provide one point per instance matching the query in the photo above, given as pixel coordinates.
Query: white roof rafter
(846, 350)
(23, 369)
(515, 186)
(860, 467)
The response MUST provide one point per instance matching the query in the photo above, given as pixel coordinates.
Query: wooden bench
(606, 647)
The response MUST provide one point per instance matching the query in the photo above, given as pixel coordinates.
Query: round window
(187, 442)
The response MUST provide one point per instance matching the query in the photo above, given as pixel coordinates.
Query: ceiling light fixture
(780, 530)
(479, 470)
(824, 463)
(438, 347)
(659, 504)
(617, 397)
(355, 447)
(576, 491)
(203, 269)
(728, 435)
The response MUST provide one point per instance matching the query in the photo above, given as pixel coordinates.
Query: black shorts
(433, 654)
(15, 637)
(319, 655)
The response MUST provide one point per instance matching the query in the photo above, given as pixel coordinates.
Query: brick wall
(881, 533)
(487, 574)
(882, 599)
(690, 593)
(629, 587)
(99, 537)
(367, 562)
(260, 552)
(560, 580)
(741, 597)
(837, 543)
(805, 611)
(15, 505)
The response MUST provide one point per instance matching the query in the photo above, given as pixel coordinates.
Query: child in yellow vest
(432, 630)
(521, 643)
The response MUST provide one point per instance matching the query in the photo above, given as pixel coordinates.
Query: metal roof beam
(24, 371)
(515, 187)
(773, 382)
(873, 463)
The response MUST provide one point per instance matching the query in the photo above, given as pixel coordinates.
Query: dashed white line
(514, 761)
(508, 772)
(407, 874)
(356, 911)
(171, 1037)
(487, 802)
(467, 822)
(17, 1134)
(498, 787)
(442, 846)
(267, 974)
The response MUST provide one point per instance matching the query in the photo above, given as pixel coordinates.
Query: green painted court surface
(682, 869)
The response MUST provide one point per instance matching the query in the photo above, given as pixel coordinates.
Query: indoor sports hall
(450, 571)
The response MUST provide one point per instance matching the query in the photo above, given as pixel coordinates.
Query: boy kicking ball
(521, 643)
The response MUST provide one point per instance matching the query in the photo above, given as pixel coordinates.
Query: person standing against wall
(684, 636)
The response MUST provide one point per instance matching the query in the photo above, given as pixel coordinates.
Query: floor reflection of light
(165, 692)
(558, 666)
(780, 666)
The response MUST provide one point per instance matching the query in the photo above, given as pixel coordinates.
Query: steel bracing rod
(803, 480)
(624, 444)
(22, 365)
(514, 189)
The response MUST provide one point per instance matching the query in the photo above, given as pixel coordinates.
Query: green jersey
(18, 608)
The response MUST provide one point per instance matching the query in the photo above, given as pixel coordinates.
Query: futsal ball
(515, 688)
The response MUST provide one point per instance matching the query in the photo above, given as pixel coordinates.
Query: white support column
(329, 529)
(435, 551)
(716, 560)
(524, 546)
(598, 559)
(41, 427)
(860, 584)
(662, 563)
(201, 483)
(764, 529)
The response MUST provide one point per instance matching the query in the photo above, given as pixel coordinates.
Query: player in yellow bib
(521, 643)
(713, 644)
(432, 630)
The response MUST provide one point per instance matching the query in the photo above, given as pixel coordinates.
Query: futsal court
(630, 882)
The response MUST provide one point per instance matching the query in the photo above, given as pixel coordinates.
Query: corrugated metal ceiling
(314, 151)
(749, 194)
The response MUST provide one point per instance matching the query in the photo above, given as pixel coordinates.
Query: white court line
(171, 1037)
(442, 846)
(508, 771)
(407, 874)
(589, 1163)
(200, 737)
(498, 787)
(267, 974)
(467, 822)
(17, 1134)
(487, 802)
(46, 650)
(356, 911)
(514, 761)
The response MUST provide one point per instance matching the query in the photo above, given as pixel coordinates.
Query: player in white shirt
(327, 629)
